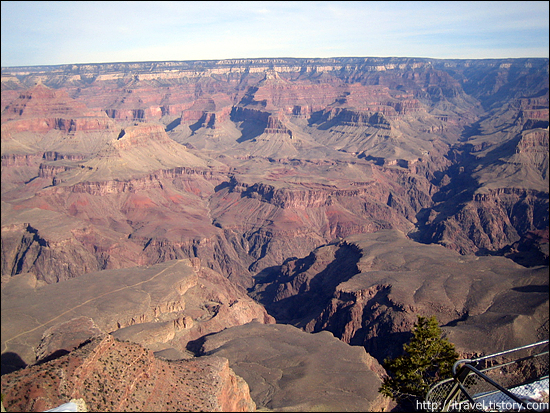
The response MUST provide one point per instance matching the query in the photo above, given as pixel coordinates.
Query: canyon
(179, 206)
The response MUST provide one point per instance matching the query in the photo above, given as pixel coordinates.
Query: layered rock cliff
(277, 175)
(248, 163)
(368, 289)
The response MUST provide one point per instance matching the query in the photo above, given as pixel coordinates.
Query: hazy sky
(49, 32)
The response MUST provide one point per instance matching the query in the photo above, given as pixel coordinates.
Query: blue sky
(48, 33)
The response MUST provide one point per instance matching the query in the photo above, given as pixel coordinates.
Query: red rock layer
(110, 375)
(41, 109)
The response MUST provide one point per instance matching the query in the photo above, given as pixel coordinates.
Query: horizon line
(272, 58)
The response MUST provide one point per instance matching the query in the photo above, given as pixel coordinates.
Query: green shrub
(427, 359)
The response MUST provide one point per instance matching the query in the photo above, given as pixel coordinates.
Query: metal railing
(512, 380)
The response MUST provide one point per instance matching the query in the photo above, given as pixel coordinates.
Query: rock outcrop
(162, 306)
(289, 370)
(65, 337)
(368, 289)
(112, 375)
(491, 221)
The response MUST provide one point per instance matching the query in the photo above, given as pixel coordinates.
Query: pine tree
(427, 359)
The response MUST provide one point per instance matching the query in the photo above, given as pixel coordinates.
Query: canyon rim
(181, 213)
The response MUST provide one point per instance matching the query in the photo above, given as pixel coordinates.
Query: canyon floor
(271, 225)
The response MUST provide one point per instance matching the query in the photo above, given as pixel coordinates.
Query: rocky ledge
(113, 375)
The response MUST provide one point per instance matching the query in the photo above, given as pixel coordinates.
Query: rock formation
(161, 307)
(406, 125)
(65, 337)
(289, 370)
(368, 289)
(112, 375)
(41, 111)
(347, 194)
